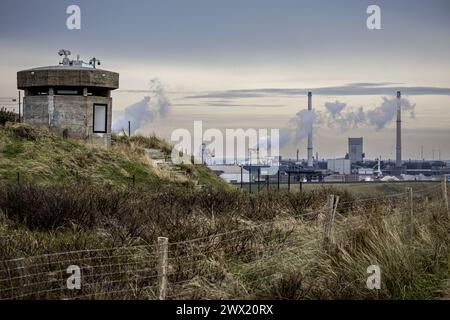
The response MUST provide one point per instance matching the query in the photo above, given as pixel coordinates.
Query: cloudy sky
(249, 64)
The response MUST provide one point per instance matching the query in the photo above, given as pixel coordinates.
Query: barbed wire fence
(178, 270)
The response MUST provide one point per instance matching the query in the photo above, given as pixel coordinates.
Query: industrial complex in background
(353, 167)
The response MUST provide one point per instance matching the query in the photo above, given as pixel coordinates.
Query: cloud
(226, 104)
(371, 84)
(151, 108)
(383, 88)
(387, 111)
(334, 108)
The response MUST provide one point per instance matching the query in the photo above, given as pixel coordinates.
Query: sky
(249, 64)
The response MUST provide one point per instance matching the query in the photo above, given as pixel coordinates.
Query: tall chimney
(398, 161)
(310, 136)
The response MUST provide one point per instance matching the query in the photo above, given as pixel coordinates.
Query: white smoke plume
(284, 136)
(151, 108)
(334, 108)
(339, 114)
(303, 123)
(385, 113)
(300, 126)
(350, 118)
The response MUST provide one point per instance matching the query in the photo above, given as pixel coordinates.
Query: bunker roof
(67, 75)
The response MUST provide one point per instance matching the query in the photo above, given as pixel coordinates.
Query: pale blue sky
(228, 31)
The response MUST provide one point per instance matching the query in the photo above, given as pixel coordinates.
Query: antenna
(66, 54)
(94, 62)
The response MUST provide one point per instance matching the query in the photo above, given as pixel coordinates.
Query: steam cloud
(338, 114)
(384, 114)
(151, 108)
(335, 108)
(302, 123)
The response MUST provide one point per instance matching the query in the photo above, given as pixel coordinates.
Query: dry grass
(76, 207)
(270, 245)
(39, 156)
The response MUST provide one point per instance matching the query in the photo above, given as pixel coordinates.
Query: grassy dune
(40, 156)
(224, 243)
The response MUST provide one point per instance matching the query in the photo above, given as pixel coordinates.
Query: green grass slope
(40, 156)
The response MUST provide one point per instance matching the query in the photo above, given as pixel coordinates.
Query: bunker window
(100, 118)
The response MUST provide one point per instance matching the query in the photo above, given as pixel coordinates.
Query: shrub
(6, 116)
(22, 131)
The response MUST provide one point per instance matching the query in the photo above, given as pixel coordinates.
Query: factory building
(355, 150)
(340, 166)
(72, 99)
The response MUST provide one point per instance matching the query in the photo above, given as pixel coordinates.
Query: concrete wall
(71, 115)
(35, 110)
(341, 166)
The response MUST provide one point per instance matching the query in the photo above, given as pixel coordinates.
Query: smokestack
(310, 136)
(398, 161)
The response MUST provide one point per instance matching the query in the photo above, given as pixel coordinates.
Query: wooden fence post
(163, 252)
(332, 204)
(327, 222)
(410, 215)
(336, 202)
(278, 183)
(20, 264)
(242, 176)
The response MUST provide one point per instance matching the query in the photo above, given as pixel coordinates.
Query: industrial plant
(353, 167)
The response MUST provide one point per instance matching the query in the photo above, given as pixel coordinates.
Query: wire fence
(142, 271)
